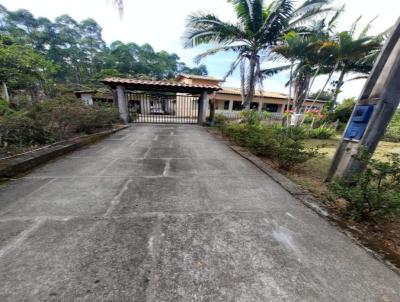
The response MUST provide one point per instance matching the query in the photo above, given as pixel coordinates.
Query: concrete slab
(68, 197)
(12, 190)
(169, 153)
(233, 193)
(162, 194)
(125, 221)
(136, 167)
(259, 257)
(11, 229)
(80, 260)
(66, 167)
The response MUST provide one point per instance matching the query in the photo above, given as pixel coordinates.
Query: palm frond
(353, 27)
(274, 70)
(335, 17)
(276, 20)
(120, 6)
(233, 67)
(367, 27)
(215, 50)
(204, 28)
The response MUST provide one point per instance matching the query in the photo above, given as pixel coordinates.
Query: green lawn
(311, 175)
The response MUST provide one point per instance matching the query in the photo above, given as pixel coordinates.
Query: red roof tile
(159, 84)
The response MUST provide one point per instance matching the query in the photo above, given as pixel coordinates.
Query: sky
(162, 23)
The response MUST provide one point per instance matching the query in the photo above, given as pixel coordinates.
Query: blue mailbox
(359, 121)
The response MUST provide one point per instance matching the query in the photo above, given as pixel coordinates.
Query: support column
(122, 105)
(230, 105)
(203, 104)
(382, 91)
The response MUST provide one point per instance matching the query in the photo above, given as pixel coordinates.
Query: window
(270, 107)
(290, 107)
(237, 106)
(226, 105)
(254, 106)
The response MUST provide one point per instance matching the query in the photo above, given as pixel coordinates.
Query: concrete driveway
(168, 213)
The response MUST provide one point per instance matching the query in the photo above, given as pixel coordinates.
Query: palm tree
(309, 57)
(258, 29)
(355, 54)
(120, 6)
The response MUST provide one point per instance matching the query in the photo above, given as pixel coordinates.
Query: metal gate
(163, 108)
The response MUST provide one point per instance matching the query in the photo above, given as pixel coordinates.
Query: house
(179, 100)
(228, 100)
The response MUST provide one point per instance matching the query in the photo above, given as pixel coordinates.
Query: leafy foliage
(321, 133)
(36, 50)
(259, 28)
(393, 131)
(343, 111)
(45, 122)
(374, 193)
(22, 67)
(283, 145)
(252, 117)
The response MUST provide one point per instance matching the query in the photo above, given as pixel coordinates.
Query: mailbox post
(375, 108)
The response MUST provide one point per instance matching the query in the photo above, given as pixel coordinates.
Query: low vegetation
(393, 131)
(374, 192)
(283, 145)
(28, 125)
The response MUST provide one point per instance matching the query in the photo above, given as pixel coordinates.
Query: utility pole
(374, 110)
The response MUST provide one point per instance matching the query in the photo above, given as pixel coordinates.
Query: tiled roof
(258, 93)
(197, 77)
(158, 84)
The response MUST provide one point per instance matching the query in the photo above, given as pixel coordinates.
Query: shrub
(373, 193)
(18, 130)
(343, 111)
(252, 117)
(289, 149)
(297, 133)
(283, 145)
(321, 133)
(219, 119)
(45, 122)
(393, 131)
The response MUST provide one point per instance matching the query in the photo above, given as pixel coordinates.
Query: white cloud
(161, 23)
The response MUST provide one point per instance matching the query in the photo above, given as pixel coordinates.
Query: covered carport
(160, 102)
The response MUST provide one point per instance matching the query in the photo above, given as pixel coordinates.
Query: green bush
(252, 117)
(393, 131)
(283, 145)
(343, 111)
(219, 119)
(49, 121)
(321, 133)
(373, 193)
(18, 130)
(289, 149)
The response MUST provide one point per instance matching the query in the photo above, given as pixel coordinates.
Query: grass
(311, 175)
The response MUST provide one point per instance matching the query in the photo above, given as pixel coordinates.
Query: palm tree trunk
(251, 81)
(289, 100)
(326, 83)
(301, 92)
(313, 78)
(5, 94)
(339, 85)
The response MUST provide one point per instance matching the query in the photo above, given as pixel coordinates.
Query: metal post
(382, 90)
(203, 104)
(122, 105)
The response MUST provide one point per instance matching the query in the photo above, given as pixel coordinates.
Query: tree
(258, 29)
(78, 53)
(21, 67)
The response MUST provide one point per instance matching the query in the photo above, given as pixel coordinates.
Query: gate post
(203, 104)
(122, 105)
